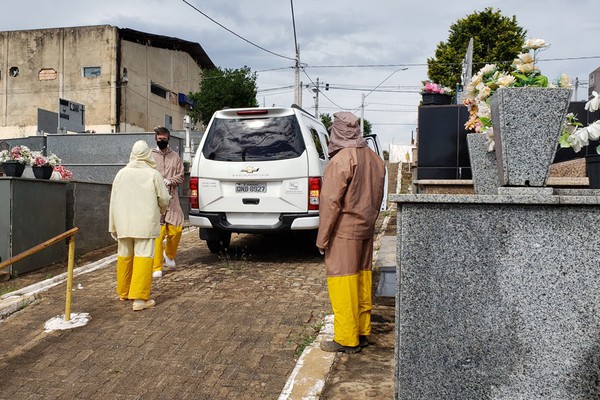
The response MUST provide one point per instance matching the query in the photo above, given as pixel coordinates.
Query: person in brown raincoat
(170, 167)
(351, 195)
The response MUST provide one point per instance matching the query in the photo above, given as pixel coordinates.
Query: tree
(223, 87)
(496, 39)
(326, 120)
(367, 127)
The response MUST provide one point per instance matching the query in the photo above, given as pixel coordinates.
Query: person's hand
(114, 236)
(167, 182)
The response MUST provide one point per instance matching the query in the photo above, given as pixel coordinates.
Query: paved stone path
(223, 328)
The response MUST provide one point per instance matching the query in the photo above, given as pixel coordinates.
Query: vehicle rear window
(255, 139)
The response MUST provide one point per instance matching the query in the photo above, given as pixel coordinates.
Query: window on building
(91, 72)
(47, 74)
(159, 90)
(168, 121)
(14, 71)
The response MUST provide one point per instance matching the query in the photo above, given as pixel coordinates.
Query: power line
(456, 63)
(324, 95)
(233, 33)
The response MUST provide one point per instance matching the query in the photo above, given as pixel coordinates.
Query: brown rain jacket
(170, 167)
(353, 185)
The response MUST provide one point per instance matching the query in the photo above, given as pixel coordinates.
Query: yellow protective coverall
(138, 197)
(351, 196)
(169, 165)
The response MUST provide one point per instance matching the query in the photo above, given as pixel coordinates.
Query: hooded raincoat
(138, 196)
(137, 199)
(352, 191)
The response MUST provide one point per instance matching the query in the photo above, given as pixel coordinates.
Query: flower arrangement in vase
(49, 167)
(523, 73)
(434, 93)
(13, 161)
(522, 115)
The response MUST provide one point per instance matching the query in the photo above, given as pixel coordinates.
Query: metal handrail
(70, 263)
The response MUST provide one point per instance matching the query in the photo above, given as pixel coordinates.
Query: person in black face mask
(170, 167)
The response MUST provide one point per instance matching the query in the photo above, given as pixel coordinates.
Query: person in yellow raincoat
(170, 167)
(137, 199)
(351, 195)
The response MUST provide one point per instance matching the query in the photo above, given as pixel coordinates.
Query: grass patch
(8, 289)
(305, 339)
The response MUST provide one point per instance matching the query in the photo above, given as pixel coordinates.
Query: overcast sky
(353, 45)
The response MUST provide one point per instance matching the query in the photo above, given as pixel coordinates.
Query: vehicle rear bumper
(286, 222)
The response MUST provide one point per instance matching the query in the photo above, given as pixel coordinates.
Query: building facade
(126, 80)
(594, 82)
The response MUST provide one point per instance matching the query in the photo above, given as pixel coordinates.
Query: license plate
(250, 187)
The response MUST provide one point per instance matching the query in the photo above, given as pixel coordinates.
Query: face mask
(162, 144)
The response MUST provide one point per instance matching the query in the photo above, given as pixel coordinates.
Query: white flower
(488, 68)
(535, 44)
(483, 110)
(523, 58)
(484, 91)
(594, 130)
(505, 80)
(578, 139)
(476, 79)
(564, 81)
(594, 103)
(525, 68)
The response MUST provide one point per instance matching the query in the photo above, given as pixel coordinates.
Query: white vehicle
(257, 170)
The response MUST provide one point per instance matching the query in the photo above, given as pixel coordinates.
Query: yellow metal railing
(70, 263)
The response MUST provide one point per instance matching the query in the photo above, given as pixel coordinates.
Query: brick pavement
(223, 328)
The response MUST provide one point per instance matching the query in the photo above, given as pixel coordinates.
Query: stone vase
(527, 123)
(483, 165)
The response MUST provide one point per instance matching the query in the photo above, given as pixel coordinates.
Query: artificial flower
(581, 137)
(594, 103)
(39, 160)
(525, 68)
(534, 44)
(505, 80)
(21, 154)
(564, 81)
(435, 88)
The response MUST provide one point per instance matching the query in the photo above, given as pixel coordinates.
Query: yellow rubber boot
(173, 237)
(124, 270)
(365, 302)
(158, 250)
(141, 278)
(343, 294)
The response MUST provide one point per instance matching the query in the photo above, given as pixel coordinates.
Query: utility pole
(298, 84)
(316, 90)
(187, 153)
(362, 114)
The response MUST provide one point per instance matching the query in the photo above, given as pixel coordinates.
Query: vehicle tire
(221, 244)
(214, 246)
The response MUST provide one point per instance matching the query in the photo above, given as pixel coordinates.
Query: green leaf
(563, 141)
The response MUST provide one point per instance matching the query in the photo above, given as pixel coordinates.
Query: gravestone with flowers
(498, 294)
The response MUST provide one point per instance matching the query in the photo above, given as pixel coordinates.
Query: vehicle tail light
(253, 112)
(314, 190)
(194, 203)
